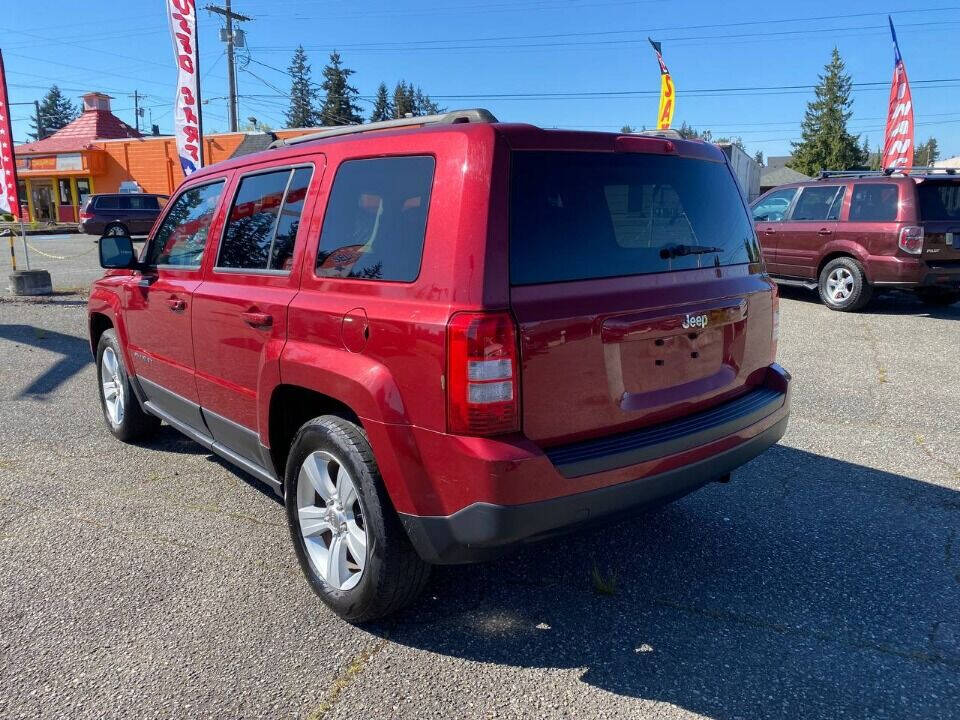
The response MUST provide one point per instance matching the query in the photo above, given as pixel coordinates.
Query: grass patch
(604, 584)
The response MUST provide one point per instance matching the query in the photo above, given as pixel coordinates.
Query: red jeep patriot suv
(851, 233)
(440, 336)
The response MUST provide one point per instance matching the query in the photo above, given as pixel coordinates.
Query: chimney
(96, 101)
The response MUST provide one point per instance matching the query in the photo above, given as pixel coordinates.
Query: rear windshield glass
(939, 200)
(579, 216)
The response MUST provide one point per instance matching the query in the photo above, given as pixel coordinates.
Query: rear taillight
(911, 239)
(482, 368)
(86, 216)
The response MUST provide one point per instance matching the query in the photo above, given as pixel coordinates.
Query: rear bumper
(663, 466)
(909, 272)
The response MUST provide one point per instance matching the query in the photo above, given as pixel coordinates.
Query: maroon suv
(442, 336)
(851, 233)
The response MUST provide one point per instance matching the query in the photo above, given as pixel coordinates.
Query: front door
(811, 224)
(44, 207)
(159, 303)
(768, 215)
(240, 310)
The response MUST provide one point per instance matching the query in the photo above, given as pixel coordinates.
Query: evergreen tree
(926, 153)
(423, 105)
(826, 143)
(758, 158)
(382, 109)
(691, 133)
(627, 129)
(403, 97)
(302, 112)
(339, 105)
(56, 111)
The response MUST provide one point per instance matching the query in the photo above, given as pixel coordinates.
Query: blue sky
(501, 54)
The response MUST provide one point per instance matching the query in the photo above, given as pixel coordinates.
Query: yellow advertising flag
(667, 94)
(665, 114)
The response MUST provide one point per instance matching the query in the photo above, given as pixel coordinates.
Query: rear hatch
(938, 209)
(637, 285)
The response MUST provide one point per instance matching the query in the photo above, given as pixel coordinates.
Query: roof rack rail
(453, 117)
(889, 172)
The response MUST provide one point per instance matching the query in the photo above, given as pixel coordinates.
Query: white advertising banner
(187, 128)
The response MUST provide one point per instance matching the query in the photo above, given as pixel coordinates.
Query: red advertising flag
(9, 199)
(187, 125)
(898, 139)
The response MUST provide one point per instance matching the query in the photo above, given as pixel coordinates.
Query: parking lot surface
(823, 581)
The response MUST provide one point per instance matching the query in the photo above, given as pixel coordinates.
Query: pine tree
(926, 153)
(423, 105)
(339, 105)
(403, 97)
(303, 95)
(826, 143)
(758, 158)
(627, 129)
(382, 109)
(56, 111)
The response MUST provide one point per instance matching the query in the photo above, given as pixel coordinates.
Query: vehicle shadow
(74, 352)
(890, 302)
(807, 587)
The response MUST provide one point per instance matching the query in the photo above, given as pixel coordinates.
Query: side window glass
(263, 221)
(837, 204)
(108, 202)
(874, 202)
(773, 208)
(182, 235)
(281, 255)
(126, 203)
(815, 202)
(376, 219)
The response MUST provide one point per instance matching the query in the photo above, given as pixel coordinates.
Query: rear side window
(264, 219)
(143, 202)
(376, 219)
(125, 203)
(108, 202)
(773, 208)
(819, 202)
(182, 236)
(874, 202)
(579, 216)
(939, 200)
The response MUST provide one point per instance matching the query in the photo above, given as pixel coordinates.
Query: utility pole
(231, 66)
(136, 108)
(41, 131)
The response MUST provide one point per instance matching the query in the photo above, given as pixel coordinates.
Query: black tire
(118, 229)
(393, 574)
(135, 423)
(937, 297)
(860, 291)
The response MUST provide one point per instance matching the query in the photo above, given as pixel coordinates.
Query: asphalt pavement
(822, 582)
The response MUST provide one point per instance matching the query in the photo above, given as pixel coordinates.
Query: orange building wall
(152, 162)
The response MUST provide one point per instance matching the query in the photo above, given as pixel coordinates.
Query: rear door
(938, 209)
(141, 213)
(158, 306)
(811, 224)
(769, 212)
(240, 310)
(637, 284)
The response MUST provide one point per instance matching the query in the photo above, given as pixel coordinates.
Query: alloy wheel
(112, 386)
(331, 520)
(840, 284)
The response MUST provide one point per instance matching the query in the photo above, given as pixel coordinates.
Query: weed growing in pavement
(604, 585)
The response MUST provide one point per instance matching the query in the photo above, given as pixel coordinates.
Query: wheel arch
(833, 255)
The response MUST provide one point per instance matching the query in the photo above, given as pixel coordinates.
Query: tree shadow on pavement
(807, 587)
(74, 352)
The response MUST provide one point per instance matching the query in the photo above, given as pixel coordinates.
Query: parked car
(850, 234)
(120, 213)
(448, 336)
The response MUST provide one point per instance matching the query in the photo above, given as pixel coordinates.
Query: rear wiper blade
(672, 251)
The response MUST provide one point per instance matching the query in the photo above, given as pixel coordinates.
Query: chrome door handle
(825, 231)
(257, 319)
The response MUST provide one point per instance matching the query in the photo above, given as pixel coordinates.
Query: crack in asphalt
(340, 683)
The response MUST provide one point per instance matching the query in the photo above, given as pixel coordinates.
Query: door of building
(44, 206)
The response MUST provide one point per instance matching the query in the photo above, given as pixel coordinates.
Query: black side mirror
(116, 252)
